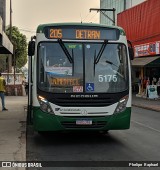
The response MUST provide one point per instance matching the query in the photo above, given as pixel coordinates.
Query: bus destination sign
(82, 34)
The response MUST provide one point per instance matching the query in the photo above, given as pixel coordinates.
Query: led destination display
(82, 34)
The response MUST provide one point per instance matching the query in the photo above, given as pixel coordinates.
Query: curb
(146, 107)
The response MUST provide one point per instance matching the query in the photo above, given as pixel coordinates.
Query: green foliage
(19, 42)
(3, 63)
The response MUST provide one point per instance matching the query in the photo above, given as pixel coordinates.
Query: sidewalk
(13, 129)
(149, 104)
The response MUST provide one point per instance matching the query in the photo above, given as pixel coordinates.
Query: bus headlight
(44, 105)
(121, 105)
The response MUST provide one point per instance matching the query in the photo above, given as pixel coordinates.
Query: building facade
(142, 27)
(6, 46)
(3, 12)
(119, 5)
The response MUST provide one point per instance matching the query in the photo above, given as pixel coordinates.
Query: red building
(142, 26)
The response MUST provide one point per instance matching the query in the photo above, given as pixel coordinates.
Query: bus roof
(41, 27)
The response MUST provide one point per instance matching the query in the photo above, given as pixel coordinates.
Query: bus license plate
(83, 122)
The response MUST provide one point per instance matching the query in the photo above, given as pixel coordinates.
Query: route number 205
(107, 78)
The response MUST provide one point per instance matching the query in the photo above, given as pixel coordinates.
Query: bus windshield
(83, 67)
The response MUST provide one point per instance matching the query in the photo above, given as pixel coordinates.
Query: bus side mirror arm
(130, 49)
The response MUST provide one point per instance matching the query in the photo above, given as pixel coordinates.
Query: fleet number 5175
(107, 78)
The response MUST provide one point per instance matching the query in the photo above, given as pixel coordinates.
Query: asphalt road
(140, 143)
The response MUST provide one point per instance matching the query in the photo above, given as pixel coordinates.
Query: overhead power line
(92, 17)
(27, 30)
(89, 17)
(85, 17)
(103, 12)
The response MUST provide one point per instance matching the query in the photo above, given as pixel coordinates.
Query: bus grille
(84, 102)
(69, 125)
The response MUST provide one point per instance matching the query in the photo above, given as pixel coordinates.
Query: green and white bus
(79, 78)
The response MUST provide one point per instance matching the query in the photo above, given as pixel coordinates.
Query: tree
(19, 42)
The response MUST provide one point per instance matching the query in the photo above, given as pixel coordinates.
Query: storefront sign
(152, 91)
(152, 48)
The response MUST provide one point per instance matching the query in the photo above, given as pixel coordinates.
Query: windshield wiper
(100, 52)
(109, 62)
(65, 50)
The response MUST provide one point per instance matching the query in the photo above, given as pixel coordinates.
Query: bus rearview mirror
(131, 53)
(31, 48)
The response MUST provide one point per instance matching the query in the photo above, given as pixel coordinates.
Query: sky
(28, 14)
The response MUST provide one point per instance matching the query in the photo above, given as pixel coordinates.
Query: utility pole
(14, 49)
(124, 4)
(14, 61)
(10, 37)
(9, 61)
(103, 12)
(10, 33)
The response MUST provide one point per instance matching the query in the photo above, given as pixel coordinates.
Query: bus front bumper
(50, 122)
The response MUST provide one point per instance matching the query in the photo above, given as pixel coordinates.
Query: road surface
(140, 143)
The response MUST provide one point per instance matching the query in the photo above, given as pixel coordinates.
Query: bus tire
(41, 133)
(104, 132)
